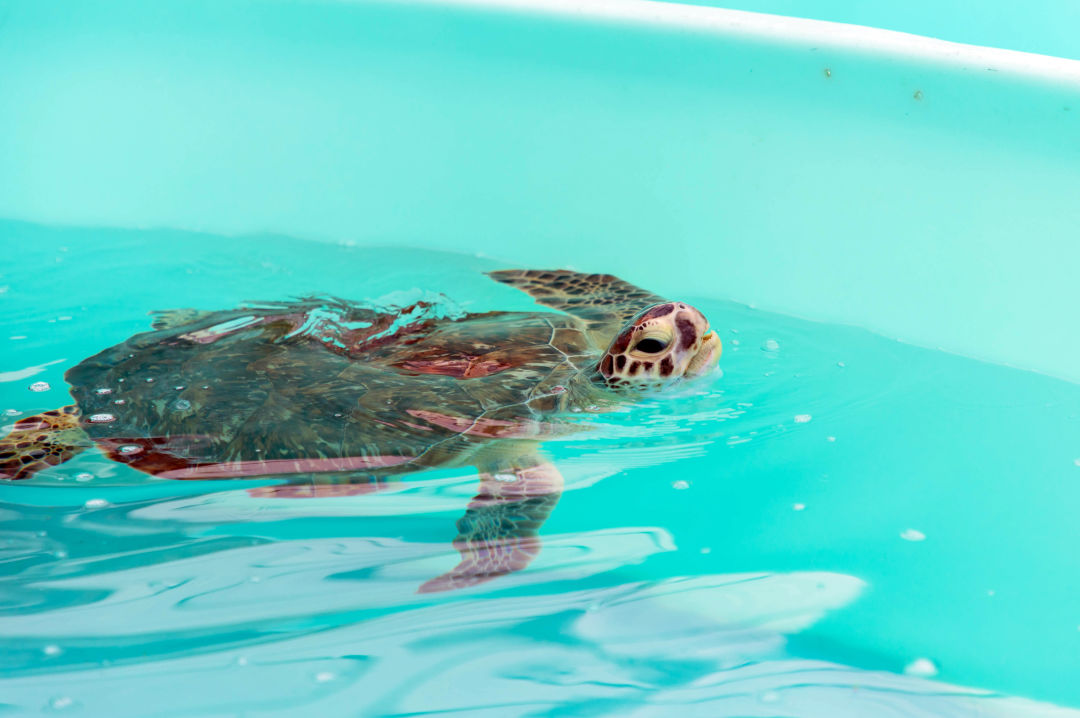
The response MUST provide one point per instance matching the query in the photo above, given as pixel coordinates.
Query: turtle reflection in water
(354, 395)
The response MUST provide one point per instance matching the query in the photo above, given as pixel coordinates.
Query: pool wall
(925, 190)
(1048, 27)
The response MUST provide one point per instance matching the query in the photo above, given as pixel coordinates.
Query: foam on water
(834, 509)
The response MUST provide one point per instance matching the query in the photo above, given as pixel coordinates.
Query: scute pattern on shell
(277, 387)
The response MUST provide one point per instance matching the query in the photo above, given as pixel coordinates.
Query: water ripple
(499, 656)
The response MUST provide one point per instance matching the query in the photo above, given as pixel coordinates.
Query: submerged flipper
(604, 302)
(40, 441)
(499, 533)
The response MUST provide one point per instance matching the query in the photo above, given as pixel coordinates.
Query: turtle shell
(329, 386)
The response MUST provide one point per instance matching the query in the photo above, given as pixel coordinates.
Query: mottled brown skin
(601, 301)
(38, 442)
(336, 394)
(659, 343)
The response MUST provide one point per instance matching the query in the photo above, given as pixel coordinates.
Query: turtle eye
(650, 346)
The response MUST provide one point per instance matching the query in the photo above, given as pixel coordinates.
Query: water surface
(785, 538)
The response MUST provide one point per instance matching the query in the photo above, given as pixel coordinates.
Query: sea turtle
(338, 394)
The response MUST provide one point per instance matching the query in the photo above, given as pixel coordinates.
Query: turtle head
(661, 343)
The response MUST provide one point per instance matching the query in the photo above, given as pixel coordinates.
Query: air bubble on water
(734, 342)
(802, 418)
(120, 380)
(241, 660)
(830, 439)
(18, 337)
(769, 697)
(130, 449)
(680, 485)
(324, 677)
(102, 391)
(770, 345)
(841, 364)
(96, 503)
(84, 476)
(921, 668)
(181, 405)
(798, 507)
(149, 380)
(40, 386)
(990, 592)
(61, 702)
(64, 318)
(41, 534)
(179, 387)
(706, 550)
(205, 386)
(52, 650)
(912, 535)
(60, 554)
(119, 402)
(12, 412)
(101, 418)
(1076, 461)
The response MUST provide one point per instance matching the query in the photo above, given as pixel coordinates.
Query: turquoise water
(782, 539)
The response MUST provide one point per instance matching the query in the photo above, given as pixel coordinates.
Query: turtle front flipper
(604, 302)
(499, 533)
(40, 441)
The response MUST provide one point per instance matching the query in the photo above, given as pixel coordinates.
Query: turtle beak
(707, 356)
